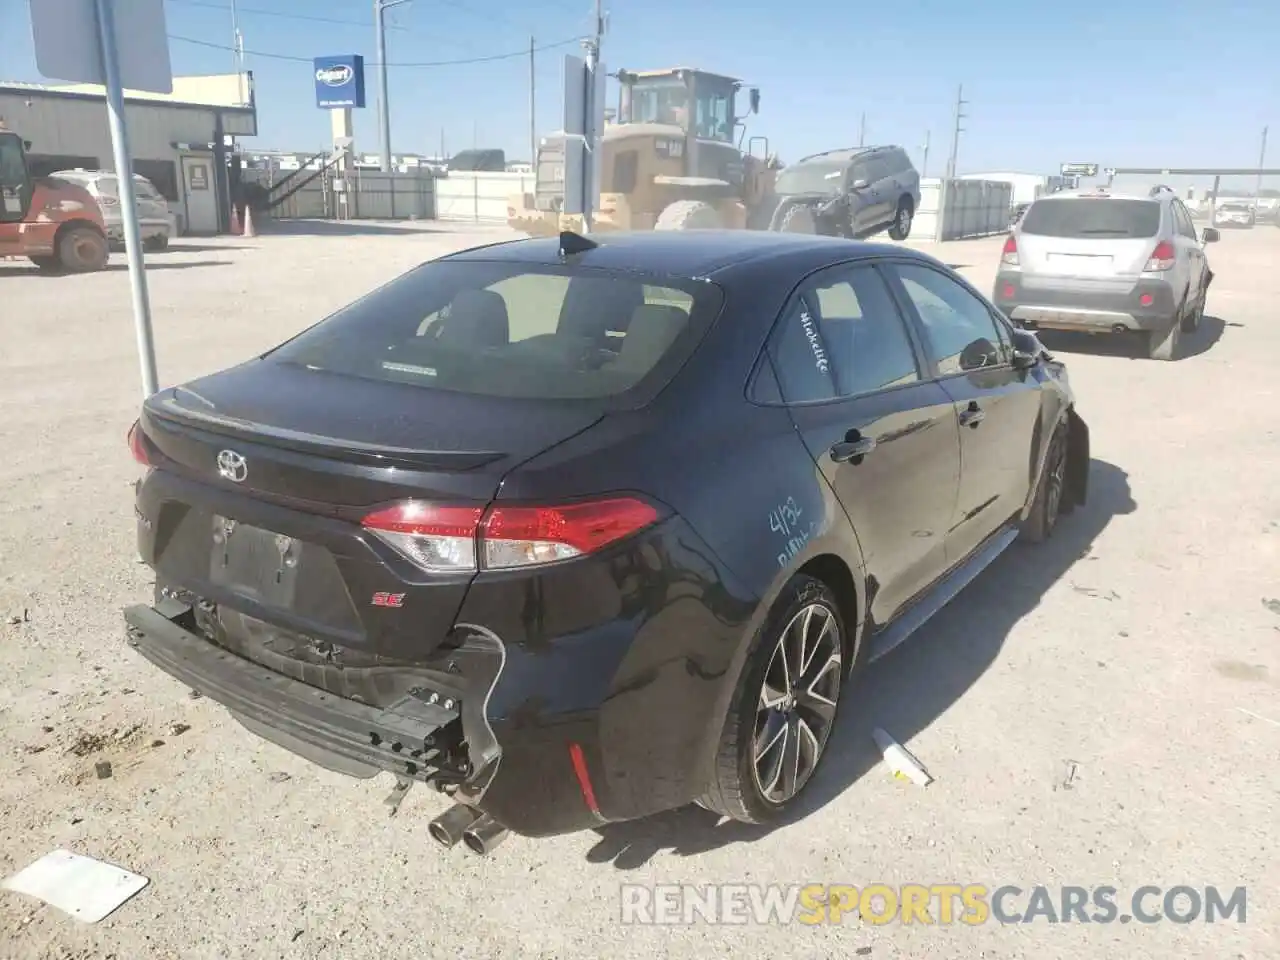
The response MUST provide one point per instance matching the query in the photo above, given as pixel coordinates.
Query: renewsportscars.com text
(938, 903)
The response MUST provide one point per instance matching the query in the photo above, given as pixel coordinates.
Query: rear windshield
(514, 330)
(1081, 217)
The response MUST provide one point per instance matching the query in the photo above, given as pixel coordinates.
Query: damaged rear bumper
(409, 738)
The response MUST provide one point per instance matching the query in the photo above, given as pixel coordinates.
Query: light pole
(380, 8)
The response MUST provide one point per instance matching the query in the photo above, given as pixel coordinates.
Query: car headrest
(477, 317)
(595, 308)
(651, 331)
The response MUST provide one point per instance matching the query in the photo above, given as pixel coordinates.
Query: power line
(426, 63)
(258, 11)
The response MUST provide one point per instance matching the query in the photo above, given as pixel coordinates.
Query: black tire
(157, 243)
(1051, 491)
(738, 790)
(1162, 344)
(82, 250)
(798, 219)
(688, 215)
(903, 217)
(48, 264)
(1191, 322)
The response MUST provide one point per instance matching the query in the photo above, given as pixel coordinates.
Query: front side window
(513, 330)
(13, 168)
(713, 120)
(842, 337)
(660, 101)
(961, 332)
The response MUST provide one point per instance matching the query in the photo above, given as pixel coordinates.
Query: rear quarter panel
(737, 473)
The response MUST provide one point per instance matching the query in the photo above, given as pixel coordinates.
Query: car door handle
(852, 447)
(972, 415)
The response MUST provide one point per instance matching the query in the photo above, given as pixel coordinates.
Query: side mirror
(1211, 235)
(753, 97)
(859, 184)
(26, 144)
(1027, 349)
(978, 354)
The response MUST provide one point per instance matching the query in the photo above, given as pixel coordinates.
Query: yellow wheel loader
(670, 160)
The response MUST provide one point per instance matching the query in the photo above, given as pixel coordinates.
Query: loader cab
(16, 186)
(701, 104)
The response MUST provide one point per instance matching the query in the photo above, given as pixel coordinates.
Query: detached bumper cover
(337, 733)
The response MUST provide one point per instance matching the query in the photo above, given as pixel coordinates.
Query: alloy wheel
(1057, 477)
(797, 704)
(904, 220)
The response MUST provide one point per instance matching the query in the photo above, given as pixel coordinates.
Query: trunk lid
(270, 539)
(333, 441)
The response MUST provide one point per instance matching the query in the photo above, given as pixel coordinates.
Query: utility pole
(380, 8)
(237, 44)
(593, 59)
(862, 130)
(1262, 163)
(533, 122)
(924, 161)
(955, 137)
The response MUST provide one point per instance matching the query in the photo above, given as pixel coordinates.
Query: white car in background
(155, 222)
(1235, 213)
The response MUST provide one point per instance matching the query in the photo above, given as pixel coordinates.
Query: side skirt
(940, 594)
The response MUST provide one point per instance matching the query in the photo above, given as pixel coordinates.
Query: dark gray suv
(855, 192)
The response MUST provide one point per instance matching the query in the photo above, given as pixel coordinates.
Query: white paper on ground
(81, 887)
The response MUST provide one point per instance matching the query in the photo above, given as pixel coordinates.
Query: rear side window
(1081, 218)
(514, 330)
(842, 337)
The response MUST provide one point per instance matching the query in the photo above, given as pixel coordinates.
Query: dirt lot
(1102, 710)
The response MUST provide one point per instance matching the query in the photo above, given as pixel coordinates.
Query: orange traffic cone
(248, 222)
(236, 228)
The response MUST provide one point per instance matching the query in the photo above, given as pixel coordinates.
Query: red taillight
(137, 446)
(1009, 255)
(447, 538)
(1163, 257)
(1146, 300)
(1007, 291)
(434, 537)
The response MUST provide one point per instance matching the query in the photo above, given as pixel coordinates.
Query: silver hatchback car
(155, 222)
(1101, 262)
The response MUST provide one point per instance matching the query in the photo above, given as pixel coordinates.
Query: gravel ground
(1101, 710)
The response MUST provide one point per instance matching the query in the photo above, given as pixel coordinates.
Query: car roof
(844, 153)
(1093, 193)
(686, 253)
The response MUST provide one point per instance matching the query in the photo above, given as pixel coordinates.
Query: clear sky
(1173, 83)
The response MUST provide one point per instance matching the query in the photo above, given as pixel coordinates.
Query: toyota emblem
(232, 466)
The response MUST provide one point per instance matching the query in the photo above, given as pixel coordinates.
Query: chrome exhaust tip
(484, 835)
(448, 828)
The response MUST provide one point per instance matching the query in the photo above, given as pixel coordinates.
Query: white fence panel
(481, 197)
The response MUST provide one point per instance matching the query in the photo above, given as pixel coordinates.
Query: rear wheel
(900, 229)
(1050, 492)
(688, 215)
(46, 263)
(1162, 344)
(785, 706)
(157, 243)
(82, 250)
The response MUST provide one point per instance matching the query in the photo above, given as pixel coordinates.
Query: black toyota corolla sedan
(583, 529)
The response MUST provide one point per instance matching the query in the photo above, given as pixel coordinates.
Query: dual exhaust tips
(477, 831)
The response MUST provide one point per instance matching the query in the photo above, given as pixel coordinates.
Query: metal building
(181, 142)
